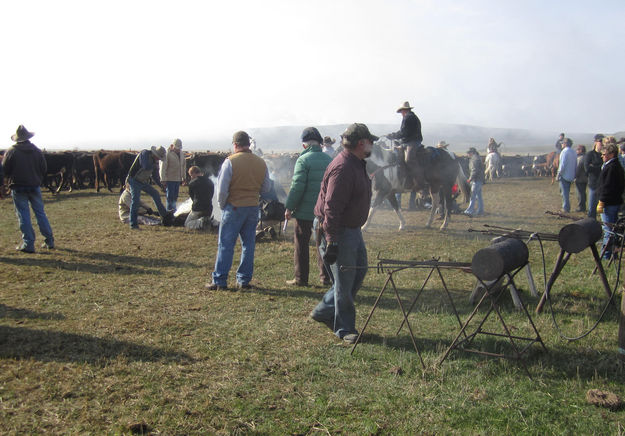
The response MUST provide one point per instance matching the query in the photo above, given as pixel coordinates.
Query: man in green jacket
(307, 175)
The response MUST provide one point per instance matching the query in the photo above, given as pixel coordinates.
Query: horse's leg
(393, 200)
(448, 201)
(435, 203)
(379, 198)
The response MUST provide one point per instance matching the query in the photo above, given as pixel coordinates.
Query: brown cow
(111, 166)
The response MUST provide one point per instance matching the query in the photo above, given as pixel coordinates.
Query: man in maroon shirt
(341, 209)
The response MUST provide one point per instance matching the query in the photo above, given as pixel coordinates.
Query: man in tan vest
(242, 178)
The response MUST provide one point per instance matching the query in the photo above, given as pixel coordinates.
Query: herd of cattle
(80, 170)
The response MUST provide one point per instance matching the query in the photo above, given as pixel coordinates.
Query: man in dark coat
(611, 186)
(592, 165)
(25, 168)
(411, 147)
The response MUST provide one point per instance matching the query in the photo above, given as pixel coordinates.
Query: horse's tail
(463, 184)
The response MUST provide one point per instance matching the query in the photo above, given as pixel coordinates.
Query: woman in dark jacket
(611, 185)
(592, 165)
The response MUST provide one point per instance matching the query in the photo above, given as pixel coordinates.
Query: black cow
(60, 171)
(84, 174)
(209, 162)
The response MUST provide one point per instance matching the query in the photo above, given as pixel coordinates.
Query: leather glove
(331, 254)
(600, 207)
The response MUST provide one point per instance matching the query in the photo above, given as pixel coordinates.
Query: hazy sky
(90, 72)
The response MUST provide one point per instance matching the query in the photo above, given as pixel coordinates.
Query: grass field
(114, 333)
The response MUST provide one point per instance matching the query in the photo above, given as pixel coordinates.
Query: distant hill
(461, 137)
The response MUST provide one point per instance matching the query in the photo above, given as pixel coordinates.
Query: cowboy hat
(328, 141)
(442, 144)
(472, 150)
(159, 152)
(21, 134)
(405, 106)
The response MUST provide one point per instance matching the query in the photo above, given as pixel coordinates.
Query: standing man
(476, 178)
(611, 186)
(141, 171)
(560, 143)
(341, 210)
(309, 169)
(581, 179)
(592, 165)
(173, 172)
(410, 138)
(566, 172)
(242, 178)
(25, 167)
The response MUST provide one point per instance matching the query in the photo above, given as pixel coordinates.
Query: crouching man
(201, 191)
(124, 203)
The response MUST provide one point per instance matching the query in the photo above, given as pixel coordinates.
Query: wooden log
(577, 236)
(492, 262)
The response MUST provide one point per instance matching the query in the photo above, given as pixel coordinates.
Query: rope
(607, 304)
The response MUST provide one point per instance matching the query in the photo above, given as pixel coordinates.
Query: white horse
(493, 164)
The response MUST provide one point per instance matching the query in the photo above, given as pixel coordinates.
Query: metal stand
(493, 297)
(563, 258)
(391, 267)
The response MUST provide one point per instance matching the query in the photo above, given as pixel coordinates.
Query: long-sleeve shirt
(592, 165)
(143, 168)
(345, 195)
(201, 191)
(611, 183)
(230, 185)
(410, 129)
(24, 165)
(568, 164)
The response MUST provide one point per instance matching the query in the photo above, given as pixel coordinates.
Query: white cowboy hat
(442, 144)
(405, 106)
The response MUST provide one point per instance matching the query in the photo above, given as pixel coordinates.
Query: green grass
(114, 328)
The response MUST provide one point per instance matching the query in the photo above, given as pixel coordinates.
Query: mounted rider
(410, 139)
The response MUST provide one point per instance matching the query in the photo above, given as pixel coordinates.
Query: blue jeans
(609, 215)
(22, 197)
(235, 222)
(135, 191)
(476, 199)
(581, 196)
(565, 189)
(172, 189)
(593, 199)
(338, 301)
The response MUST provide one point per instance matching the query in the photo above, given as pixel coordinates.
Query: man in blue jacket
(307, 175)
(141, 171)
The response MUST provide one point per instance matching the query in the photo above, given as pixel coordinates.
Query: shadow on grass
(54, 346)
(17, 313)
(80, 194)
(77, 266)
(132, 260)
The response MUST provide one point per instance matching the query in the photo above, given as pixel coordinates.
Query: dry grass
(113, 333)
